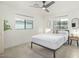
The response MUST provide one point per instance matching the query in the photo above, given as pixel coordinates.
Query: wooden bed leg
(31, 44)
(54, 54)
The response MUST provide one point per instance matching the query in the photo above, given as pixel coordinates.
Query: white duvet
(52, 41)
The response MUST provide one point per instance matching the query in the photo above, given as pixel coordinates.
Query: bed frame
(54, 51)
(44, 47)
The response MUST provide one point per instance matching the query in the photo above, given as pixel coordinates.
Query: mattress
(52, 41)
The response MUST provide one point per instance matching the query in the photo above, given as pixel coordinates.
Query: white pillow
(63, 32)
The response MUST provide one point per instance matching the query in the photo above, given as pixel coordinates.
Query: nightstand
(74, 38)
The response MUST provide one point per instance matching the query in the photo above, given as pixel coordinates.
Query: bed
(50, 41)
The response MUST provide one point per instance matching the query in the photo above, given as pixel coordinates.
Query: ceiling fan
(44, 6)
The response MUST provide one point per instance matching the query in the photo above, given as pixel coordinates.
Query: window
(24, 24)
(29, 24)
(60, 24)
(19, 24)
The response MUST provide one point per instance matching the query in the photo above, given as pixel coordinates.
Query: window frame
(25, 28)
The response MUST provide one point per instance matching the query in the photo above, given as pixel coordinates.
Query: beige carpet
(24, 51)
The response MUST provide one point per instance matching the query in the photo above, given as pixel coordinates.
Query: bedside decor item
(75, 22)
(73, 25)
(47, 30)
(6, 25)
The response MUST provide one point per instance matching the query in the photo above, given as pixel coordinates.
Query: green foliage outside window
(6, 25)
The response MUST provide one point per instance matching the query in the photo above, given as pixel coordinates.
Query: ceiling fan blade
(46, 10)
(35, 6)
(49, 4)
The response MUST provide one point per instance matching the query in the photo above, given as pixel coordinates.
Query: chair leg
(77, 42)
(31, 44)
(68, 41)
(71, 42)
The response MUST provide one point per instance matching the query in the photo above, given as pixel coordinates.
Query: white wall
(16, 37)
(1, 32)
(1, 36)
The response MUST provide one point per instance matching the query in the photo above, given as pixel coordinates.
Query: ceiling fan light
(43, 8)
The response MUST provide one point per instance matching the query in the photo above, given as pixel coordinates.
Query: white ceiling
(22, 5)
(58, 7)
(64, 7)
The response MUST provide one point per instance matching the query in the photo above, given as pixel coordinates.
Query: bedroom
(25, 20)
